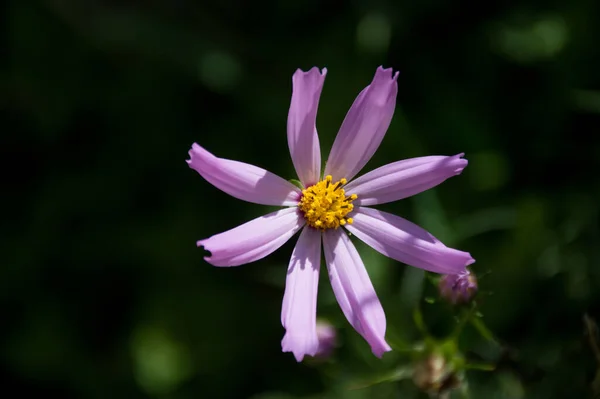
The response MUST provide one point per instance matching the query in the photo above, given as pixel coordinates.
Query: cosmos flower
(328, 205)
(458, 288)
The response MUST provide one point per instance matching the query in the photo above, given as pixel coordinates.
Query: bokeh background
(102, 289)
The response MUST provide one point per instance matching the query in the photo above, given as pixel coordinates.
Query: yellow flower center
(325, 205)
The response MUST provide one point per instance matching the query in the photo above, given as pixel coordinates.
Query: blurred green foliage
(103, 291)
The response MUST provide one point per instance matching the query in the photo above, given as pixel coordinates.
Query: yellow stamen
(326, 205)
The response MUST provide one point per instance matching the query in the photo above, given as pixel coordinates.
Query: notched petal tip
(303, 140)
(196, 154)
(313, 70)
(299, 307)
(207, 257)
(381, 70)
(299, 346)
(470, 261)
(382, 348)
(364, 126)
(194, 148)
(461, 163)
(354, 291)
(467, 260)
(252, 240)
(406, 242)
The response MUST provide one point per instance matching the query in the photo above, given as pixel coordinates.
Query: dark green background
(103, 293)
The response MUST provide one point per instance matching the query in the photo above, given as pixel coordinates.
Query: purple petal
(353, 289)
(405, 178)
(252, 240)
(303, 140)
(364, 126)
(299, 311)
(406, 242)
(243, 181)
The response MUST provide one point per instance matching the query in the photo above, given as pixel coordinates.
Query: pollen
(325, 204)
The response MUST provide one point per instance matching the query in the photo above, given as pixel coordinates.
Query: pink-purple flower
(328, 201)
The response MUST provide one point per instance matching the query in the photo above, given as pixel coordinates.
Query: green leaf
(297, 183)
(483, 330)
(399, 346)
(480, 366)
(399, 373)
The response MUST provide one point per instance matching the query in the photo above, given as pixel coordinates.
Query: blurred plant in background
(102, 294)
(437, 365)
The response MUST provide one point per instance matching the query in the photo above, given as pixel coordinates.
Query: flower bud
(458, 288)
(430, 372)
(434, 375)
(327, 336)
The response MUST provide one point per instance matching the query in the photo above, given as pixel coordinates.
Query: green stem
(480, 366)
(418, 318)
(483, 330)
(466, 317)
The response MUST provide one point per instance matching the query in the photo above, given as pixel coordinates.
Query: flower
(458, 288)
(327, 203)
(327, 337)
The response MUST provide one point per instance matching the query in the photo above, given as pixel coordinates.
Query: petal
(405, 178)
(243, 181)
(299, 311)
(303, 140)
(364, 126)
(353, 289)
(253, 240)
(406, 242)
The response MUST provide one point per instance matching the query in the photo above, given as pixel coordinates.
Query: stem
(418, 318)
(464, 320)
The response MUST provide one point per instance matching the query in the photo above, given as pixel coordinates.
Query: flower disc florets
(325, 204)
